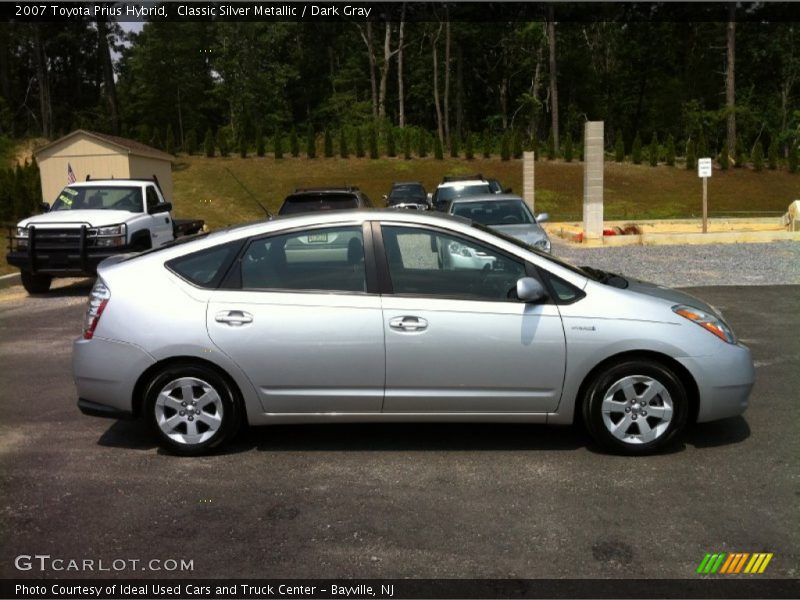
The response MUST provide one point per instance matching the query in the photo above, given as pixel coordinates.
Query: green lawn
(204, 189)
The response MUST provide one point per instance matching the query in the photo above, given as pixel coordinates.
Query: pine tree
(636, 149)
(261, 145)
(758, 156)
(407, 143)
(551, 146)
(191, 142)
(422, 139)
(654, 150)
(208, 144)
(739, 157)
(670, 150)
(438, 153)
(568, 149)
(619, 148)
(278, 144)
(222, 142)
(169, 141)
(691, 155)
(487, 144)
(469, 152)
(702, 146)
(359, 143)
(328, 143)
(793, 157)
(772, 153)
(242, 147)
(294, 143)
(390, 146)
(373, 143)
(455, 146)
(311, 142)
(516, 144)
(343, 150)
(724, 158)
(505, 146)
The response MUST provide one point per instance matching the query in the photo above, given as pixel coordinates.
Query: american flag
(70, 174)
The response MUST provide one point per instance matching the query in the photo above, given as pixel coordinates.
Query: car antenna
(261, 206)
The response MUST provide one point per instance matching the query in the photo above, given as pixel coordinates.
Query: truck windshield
(100, 197)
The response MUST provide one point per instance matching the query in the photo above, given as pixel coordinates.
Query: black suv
(407, 194)
(305, 200)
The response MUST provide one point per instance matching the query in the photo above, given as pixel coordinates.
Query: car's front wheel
(192, 408)
(35, 283)
(635, 407)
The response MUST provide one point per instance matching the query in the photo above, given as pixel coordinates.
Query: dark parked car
(407, 194)
(305, 200)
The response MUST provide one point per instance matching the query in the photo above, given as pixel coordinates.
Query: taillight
(97, 304)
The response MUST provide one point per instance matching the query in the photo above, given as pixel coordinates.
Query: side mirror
(160, 208)
(385, 197)
(542, 217)
(45, 207)
(530, 290)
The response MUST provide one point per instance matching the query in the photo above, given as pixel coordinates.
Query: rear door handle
(408, 323)
(234, 317)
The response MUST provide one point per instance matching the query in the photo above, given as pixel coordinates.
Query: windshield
(445, 194)
(309, 203)
(494, 212)
(99, 197)
(545, 255)
(406, 193)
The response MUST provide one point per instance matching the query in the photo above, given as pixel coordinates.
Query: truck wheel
(35, 284)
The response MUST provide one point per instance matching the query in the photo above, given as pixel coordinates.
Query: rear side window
(205, 268)
(310, 203)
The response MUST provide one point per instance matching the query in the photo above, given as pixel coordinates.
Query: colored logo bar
(734, 562)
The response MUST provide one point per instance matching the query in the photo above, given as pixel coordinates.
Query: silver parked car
(506, 213)
(396, 316)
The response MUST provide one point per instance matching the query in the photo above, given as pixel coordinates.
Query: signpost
(704, 172)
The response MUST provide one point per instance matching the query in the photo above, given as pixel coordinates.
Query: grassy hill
(205, 189)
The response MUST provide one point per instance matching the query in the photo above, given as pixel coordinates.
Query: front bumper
(105, 374)
(724, 381)
(63, 263)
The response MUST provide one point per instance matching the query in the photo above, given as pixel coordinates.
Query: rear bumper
(724, 381)
(105, 374)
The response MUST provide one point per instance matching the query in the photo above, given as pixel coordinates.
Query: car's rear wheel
(635, 407)
(35, 283)
(192, 408)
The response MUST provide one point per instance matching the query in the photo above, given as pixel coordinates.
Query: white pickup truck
(87, 223)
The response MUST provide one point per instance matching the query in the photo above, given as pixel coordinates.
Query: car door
(455, 340)
(301, 324)
(161, 222)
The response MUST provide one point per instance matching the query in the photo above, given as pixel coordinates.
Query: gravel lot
(775, 263)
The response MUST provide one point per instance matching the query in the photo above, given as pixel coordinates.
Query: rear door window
(207, 267)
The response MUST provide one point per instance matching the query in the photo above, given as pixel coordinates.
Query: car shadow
(78, 288)
(388, 437)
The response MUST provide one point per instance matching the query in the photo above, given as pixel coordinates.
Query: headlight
(707, 321)
(22, 232)
(543, 245)
(456, 248)
(111, 230)
(111, 235)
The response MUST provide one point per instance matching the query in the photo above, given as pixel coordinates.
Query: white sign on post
(704, 167)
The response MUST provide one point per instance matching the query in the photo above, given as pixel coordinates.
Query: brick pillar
(593, 180)
(528, 179)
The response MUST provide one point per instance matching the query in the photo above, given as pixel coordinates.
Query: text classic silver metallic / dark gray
(396, 316)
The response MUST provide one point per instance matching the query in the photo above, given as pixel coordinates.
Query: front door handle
(408, 323)
(234, 317)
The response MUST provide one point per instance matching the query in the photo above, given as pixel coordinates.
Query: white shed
(100, 156)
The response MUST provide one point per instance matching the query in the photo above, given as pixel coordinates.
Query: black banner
(365, 589)
(332, 11)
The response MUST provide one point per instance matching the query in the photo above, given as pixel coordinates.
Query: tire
(617, 419)
(142, 243)
(217, 410)
(34, 283)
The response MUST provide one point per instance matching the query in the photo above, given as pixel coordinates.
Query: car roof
(486, 198)
(463, 183)
(110, 182)
(351, 189)
(394, 183)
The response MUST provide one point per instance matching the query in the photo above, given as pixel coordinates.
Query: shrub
(670, 158)
(390, 146)
(469, 152)
(619, 148)
(636, 149)
(516, 145)
(407, 143)
(505, 146)
(455, 146)
(758, 156)
(373, 143)
(702, 146)
(278, 144)
(551, 146)
(739, 157)
(422, 144)
(191, 142)
(724, 158)
(294, 143)
(222, 142)
(438, 153)
(343, 150)
(311, 142)
(208, 144)
(261, 145)
(359, 144)
(568, 149)
(487, 144)
(242, 147)
(653, 151)
(691, 155)
(328, 144)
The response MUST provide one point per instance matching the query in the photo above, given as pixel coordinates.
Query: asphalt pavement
(399, 500)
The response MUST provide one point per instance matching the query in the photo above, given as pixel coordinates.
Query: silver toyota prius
(396, 316)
